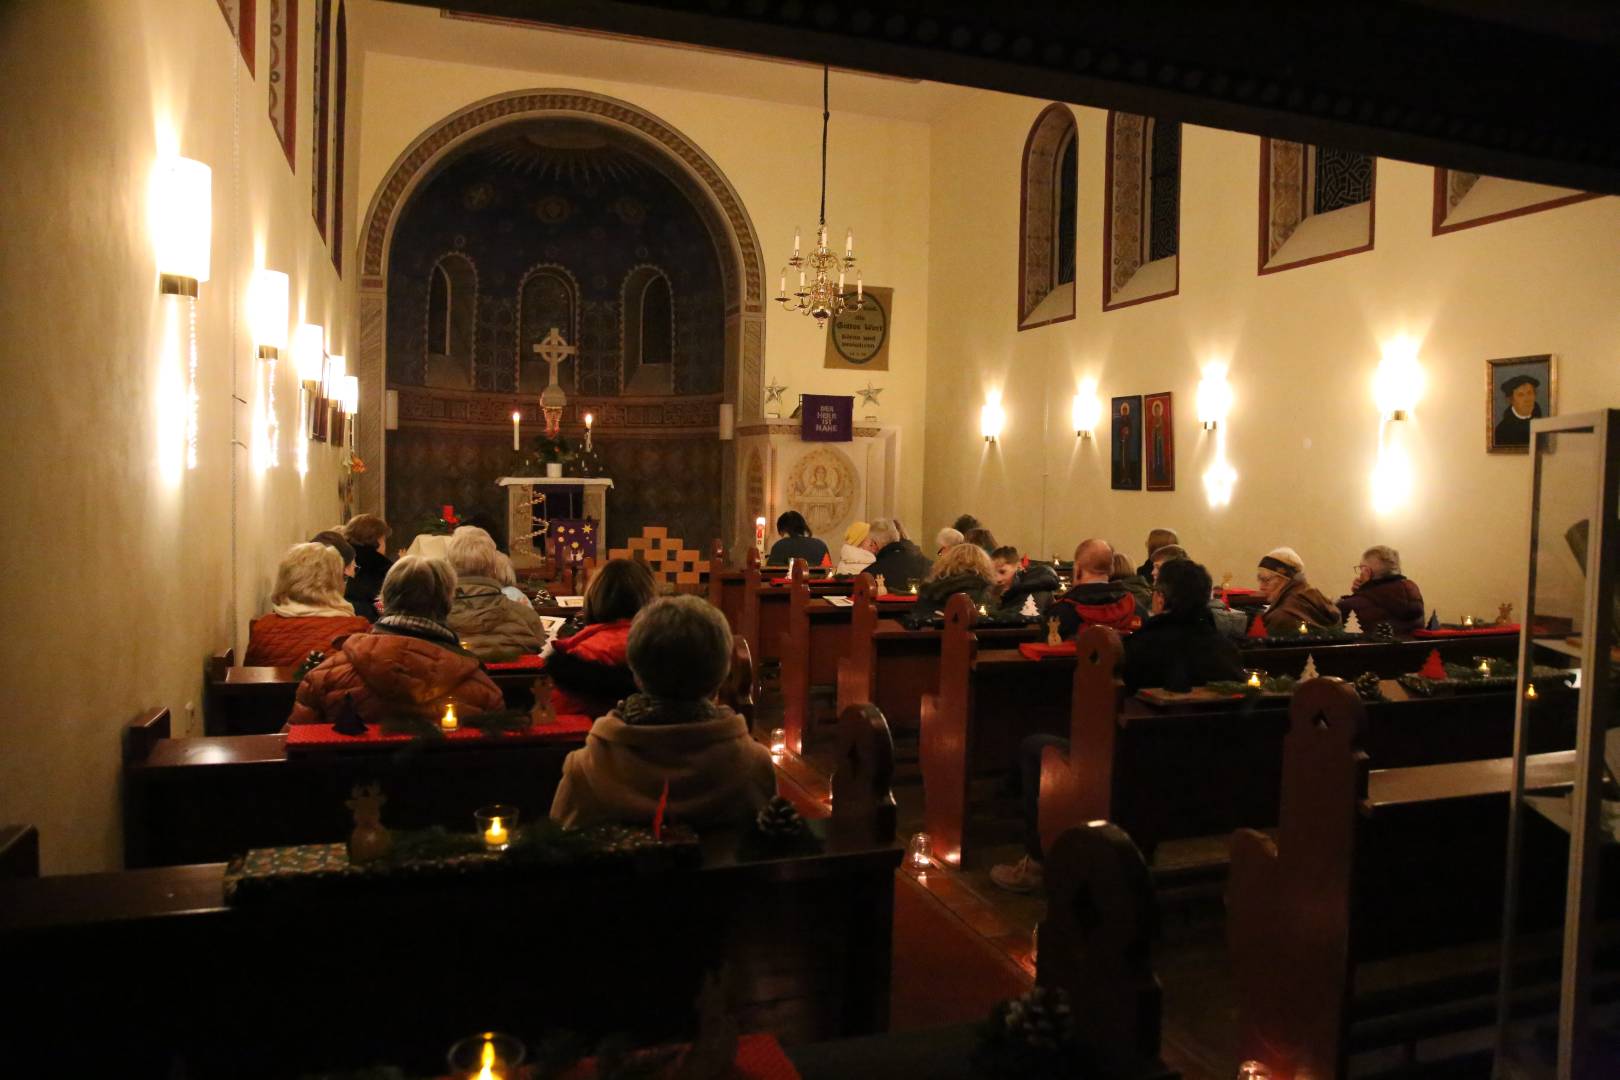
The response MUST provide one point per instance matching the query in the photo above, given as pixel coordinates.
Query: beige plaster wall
(119, 576)
(1302, 344)
(878, 183)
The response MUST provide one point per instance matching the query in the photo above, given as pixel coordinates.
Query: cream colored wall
(1303, 345)
(878, 183)
(119, 575)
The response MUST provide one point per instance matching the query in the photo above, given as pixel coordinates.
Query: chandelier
(821, 273)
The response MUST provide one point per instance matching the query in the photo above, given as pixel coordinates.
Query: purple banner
(827, 418)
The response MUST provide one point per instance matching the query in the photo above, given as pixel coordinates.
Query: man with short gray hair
(897, 559)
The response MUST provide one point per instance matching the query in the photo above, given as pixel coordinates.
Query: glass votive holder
(489, 1055)
(778, 743)
(1254, 678)
(495, 826)
(1253, 1070)
(919, 854)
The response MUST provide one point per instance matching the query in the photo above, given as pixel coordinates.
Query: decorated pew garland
(1497, 674)
(1031, 1036)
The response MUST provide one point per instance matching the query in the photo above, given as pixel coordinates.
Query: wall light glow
(1398, 382)
(1214, 400)
(1086, 409)
(181, 219)
(1391, 478)
(992, 417)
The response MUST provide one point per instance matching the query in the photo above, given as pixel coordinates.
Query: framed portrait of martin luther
(1518, 389)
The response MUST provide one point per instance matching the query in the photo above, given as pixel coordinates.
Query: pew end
(1077, 784)
(864, 812)
(19, 852)
(738, 692)
(145, 732)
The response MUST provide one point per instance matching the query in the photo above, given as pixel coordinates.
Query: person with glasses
(1294, 602)
(1381, 593)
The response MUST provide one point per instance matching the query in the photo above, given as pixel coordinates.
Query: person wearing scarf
(307, 610)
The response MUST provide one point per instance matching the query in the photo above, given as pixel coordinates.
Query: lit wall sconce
(390, 410)
(728, 421)
(1398, 382)
(1085, 411)
(1214, 399)
(992, 417)
(267, 314)
(309, 355)
(348, 397)
(182, 212)
(331, 393)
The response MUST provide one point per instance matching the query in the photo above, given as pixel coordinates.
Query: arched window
(649, 332)
(322, 106)
(1142, 218)
(452, 316)
(1316, 203)
(547, 297)
(1046, 218)
(340, 90)
(1464, 199)
(331, 89)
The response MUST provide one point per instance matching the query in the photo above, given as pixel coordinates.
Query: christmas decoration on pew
(1434, 621)
(1052, 635)
(495, 825)
(310, 663)
(1368, 686)
(778, 819)
(1309, 672)
(369, 841)
(1352, 625)
(1383, 630)
(1256, 683)
(541, 596)
(1504, 615)
(882, 586)
(1030, 1036)
(1029, 610)
(1256, 678)
(543, 713)
(486, 1055)
(1433, 667)
(658, 812)
(428, 728)
(778, 830)
(1257, 629)
(449, 721)
(346, 717)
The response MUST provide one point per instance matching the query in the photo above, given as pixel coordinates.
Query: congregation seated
(1017, 583)
(1381, 593)
(964, 568)
(946, 539)
(411, 663)
(1179, 646)
(307, 609)
(1157, 539)
(894, 558)
(1140, 586)
(981, 538)
(856, 555)
(589, 659)
(1094, 598)
(491, 625)
(795, 542)
(1231, 623)
(966, 523)
(671, 732)
(1292, 599)
(506, 574)
(368, 534)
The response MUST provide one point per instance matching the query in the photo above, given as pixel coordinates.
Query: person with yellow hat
(856, 554)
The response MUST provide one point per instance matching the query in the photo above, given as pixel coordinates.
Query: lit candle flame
(449, 722)
(1254, 679)
(495, 836)
(486, 1061)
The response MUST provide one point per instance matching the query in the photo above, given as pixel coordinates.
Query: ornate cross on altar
(553, 349)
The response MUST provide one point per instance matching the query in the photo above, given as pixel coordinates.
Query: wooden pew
(764, 615)
(398, 972)
(1369, 866)
(816, 644)
(726, 583)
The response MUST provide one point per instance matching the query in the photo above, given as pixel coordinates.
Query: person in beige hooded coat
(672, 732)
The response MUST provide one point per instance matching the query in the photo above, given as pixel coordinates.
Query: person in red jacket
(589, 667)
(1094, 598)
(1380, 593)
(307, 610)
(411, 664)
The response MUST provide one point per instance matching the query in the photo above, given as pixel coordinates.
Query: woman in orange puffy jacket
(587, 660)
(307, 610)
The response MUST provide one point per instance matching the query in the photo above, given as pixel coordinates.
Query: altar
(570, 497)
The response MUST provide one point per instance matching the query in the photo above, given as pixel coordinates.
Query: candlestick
(448, 722)
(516, 416)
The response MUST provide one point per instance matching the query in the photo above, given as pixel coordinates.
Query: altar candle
(448, 722)
(516, 416)
(496, 836)
(759, 535)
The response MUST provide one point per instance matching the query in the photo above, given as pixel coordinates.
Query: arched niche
(648, 347)
(451, 323)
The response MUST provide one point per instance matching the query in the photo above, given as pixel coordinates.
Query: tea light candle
(1254, 679)
(494, 825)
(1468, 621)
(778, 743)
(1485, 667)
(913, 588)
(1304, 627)
(982, 610)
(1530, 691)
(448, 722)
(1253, 1070)
(496, 838)
(488, 1055)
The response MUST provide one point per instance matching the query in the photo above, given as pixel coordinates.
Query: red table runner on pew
(896, 598)
(523, 663)
(1478, 631)
(303, 737)
(1037, 650)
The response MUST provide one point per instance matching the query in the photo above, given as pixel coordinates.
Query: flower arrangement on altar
(547, 451)
(446, 523)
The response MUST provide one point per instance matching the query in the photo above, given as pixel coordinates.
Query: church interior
(822, 538)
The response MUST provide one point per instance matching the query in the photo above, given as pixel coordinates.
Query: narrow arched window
(451, 319)
(1047, 209)
(548, 297)
(1142, 210)
(1316, 203)
(649, 332)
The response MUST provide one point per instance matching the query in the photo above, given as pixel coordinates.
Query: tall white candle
(857, 286)
(781, 290)
(795, 239)
(516, 416)
(849, 241)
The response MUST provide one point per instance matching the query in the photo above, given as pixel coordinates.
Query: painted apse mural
(571, 224)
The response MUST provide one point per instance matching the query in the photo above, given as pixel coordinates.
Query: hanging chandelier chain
(826, 115)
(822, 273)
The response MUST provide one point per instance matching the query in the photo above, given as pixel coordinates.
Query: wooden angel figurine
(1052, 635)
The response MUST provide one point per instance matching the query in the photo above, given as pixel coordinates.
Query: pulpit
(831, 483)
(565, 497)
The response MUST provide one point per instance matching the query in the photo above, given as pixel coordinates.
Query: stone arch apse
(736, 243)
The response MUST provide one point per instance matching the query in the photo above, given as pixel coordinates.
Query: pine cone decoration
(311, 662)
(1040, 1018)
(1367, 688)
(779, 820)
(1384, 630)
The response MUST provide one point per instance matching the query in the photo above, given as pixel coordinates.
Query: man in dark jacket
(1179, 647)
(899, 561)
(369, 534)
(1381, 593)
(1019, 583)
(1095, 599)
(1157, 538)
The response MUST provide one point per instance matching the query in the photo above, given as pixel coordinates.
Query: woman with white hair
(1294, 601)
(1381, 593)
(307, 609)
(492, 626)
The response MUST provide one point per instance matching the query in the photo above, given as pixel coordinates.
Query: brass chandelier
(822, 274)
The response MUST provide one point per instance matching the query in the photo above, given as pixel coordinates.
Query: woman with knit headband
(1293, 600)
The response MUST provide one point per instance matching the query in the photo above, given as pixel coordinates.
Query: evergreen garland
(1031, 1037)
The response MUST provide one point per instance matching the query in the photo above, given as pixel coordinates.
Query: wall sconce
(1214, 397)
(1085, 411)
(348, 398)
(267, 314)
(309, 355)
(1398, 382)
(182, 212)
(332, 415)
(992, 417)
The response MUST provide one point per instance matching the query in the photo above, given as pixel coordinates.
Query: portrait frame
(1159, 457)
(1125, 443)
(1544, 369)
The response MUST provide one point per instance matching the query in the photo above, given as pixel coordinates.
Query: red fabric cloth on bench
(323, 737)
(897, 598)
(1478, 631)
(532, 661)
(1037, 650)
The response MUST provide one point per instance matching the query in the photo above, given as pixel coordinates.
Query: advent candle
(448, 722)
(759, 535)
(516, 416)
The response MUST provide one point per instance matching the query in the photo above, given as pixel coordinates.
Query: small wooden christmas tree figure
(1257, 629)
(542, 713)
(1433, 667)
(1052, 635)
(1504, 615)
(1434, 620)
(1310, 669)
(370, 841)
(1352, 625)
(1029, 610)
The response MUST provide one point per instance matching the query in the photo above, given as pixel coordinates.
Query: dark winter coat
(1178, 651)
(901, 564)
(590, 670)
(1394, 599)
(493, 626)
(932, 595)
(808, 548)
(1139, 587)
(390, 672)
(1103, 603)
(1299, 603)
(284, 640)
(1036, 580)
(362, 590)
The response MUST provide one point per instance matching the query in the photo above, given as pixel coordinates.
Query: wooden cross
(553, 349)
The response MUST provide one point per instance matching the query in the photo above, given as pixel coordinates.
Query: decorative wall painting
(1518, 389)
(1159, 434)
(1125, 435)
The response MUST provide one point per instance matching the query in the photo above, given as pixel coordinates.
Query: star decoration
(774, 392)
(869, 396)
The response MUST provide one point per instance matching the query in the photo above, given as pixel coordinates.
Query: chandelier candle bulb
(516, 417)
(849, 243)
